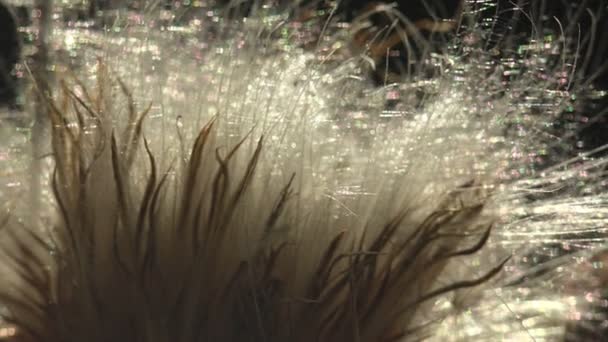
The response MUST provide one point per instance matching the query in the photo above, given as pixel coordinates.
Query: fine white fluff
(463, 157)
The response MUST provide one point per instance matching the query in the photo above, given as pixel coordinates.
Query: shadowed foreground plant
(214, 248)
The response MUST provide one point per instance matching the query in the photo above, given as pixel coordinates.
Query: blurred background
(372, 27)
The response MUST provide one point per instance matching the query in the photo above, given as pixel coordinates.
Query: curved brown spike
(116, 252)
(246, 180)
(146, 199)
(327, 324)
(84, 105)
(155, 196)
(119, 181)
(388, 232)
(100, 145)
(79, 115)
(279, 205)
(150, 187)
(233, 282)
(223, 174)
(408, 255)
(64, 105)
(453, 195)
(122, 207)
(271, 260)
(59, 127)
(182, 289)
(384, 279)
(101, 79)
(238, 145)
(132, 142)
(196, 156)
(473, 249)
(67, 224)
(353, 304)
(464, 284)
(343, 277)
(324, 268)
(86, 170)
(130, 102)
(422, 228)
(466, 213)
(380, 242)
(78, 82)
(197, 223)
(218, 194)
(180, 139)
(150, 250)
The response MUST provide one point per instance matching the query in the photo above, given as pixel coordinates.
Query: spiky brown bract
(212, 249)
